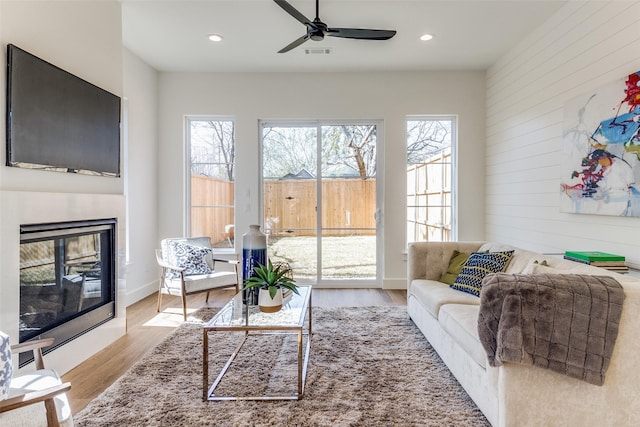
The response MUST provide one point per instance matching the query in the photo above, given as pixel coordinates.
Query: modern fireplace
(67, 279)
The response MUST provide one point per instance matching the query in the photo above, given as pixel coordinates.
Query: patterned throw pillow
(189, 257)
(6, 367)
(477, 267)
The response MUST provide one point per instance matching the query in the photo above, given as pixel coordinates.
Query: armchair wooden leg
(184, 306)
(207, 298)
(160, 291)
(159, 301)
(52, 415)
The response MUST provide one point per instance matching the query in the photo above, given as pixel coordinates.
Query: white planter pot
(267, 304)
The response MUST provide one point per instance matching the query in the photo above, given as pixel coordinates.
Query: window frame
(187, 174)
(453, 234)
(380, 162)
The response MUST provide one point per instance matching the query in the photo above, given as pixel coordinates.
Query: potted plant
(270, 279)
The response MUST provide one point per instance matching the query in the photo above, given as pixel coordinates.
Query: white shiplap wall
(584, 46)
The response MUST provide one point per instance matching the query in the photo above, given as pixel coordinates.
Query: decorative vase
(254, 252)
(268, 304)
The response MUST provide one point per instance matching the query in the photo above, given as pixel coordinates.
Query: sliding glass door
(320, 200)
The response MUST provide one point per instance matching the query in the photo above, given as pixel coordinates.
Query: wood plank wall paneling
(584, 46)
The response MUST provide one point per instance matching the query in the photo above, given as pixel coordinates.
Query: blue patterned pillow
(6, 368)
(477, 267)
(189, 257)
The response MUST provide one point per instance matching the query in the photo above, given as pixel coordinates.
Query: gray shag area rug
(368, 366)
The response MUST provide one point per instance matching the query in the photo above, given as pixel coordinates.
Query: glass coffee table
(236, 316)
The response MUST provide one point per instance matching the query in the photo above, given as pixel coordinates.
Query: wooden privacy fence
(348, 207)
(38, 259)
(211, 208)
(289, 207)
(429, 199)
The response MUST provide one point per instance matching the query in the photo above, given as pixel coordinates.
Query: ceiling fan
(316, 29)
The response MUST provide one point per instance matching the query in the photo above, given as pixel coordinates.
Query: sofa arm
(523, 389)
(428, 260)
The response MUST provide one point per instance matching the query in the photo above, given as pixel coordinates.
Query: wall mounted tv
(57, 121)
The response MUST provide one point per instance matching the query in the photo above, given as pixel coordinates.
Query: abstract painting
(601, 151)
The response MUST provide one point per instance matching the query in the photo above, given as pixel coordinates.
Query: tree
(349, 149)
(213, 148)
(290, 150)
(426, 138)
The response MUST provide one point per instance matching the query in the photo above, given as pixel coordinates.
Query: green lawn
(344, 257)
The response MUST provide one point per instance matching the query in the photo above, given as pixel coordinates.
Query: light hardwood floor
(146, 328)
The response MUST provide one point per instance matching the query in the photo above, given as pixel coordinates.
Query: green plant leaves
(271, 277)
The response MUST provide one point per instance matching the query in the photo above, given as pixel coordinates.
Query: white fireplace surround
(25, 207)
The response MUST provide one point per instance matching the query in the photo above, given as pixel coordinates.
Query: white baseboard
(394, 284)
(140, 293)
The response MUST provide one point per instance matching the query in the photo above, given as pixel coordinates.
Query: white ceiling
(171, 35)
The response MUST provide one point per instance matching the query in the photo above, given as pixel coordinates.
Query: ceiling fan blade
(360, 33)
(294, 44)
(294, 12)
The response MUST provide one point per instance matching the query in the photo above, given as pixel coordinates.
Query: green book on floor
(592, 256)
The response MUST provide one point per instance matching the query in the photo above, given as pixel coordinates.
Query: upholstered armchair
(188, 267)
(36, 398)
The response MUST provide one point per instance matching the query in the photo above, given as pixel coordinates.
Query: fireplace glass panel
(67, 276)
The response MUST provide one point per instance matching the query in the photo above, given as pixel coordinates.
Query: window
(211, 154)
(429, 177)
(320, 199)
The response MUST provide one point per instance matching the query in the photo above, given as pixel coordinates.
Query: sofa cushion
(429, 260)
(455, 266)
(477, 267)
(460, 321)
(433, 295)
(536, 267)
(519, 259)
(201, 282)
(561, 266)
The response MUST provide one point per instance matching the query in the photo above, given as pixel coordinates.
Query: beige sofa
(514, 394)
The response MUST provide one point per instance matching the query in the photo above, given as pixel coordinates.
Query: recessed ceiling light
(318, 51)
(215, 37)
(426, 37)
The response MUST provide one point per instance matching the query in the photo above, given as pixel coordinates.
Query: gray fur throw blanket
(564, 322)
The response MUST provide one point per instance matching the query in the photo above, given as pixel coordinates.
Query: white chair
(36, 398)
(188, 267)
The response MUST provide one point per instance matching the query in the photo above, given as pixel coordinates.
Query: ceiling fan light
(215, 37)
(316, 29)
(426, 37)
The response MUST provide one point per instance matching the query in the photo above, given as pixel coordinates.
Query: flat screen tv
(58, 121)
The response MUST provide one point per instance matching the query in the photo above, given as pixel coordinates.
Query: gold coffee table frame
(236, 316)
